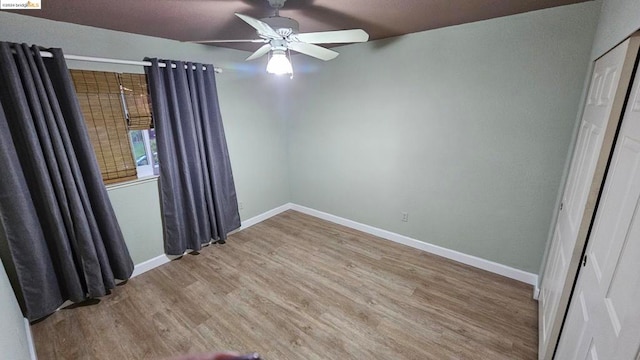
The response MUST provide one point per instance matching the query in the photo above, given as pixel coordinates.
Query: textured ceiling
(213, 19)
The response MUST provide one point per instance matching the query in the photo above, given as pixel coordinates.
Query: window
(100, 101)
(140, 123)
(145, 153)
(118, 117)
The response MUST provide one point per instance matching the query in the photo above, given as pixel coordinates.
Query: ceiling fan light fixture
(279, 63)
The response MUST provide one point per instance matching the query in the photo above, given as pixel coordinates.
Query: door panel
(583, 172)
(603, 109)
(577, 331)
(593, 354)
(547, 296)
(608, 287)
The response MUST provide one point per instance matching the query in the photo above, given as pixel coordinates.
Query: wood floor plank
(298, 287)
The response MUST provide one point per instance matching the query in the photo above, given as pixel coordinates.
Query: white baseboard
(163, 259)
(520, 275)
(471, 260)
(30, 343)
(264, 216)
(507, 271)
(150, 264)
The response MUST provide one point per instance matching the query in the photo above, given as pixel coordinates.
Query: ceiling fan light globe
(279, 64)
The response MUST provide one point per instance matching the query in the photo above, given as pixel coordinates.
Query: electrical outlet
(405, 216)
(240, 205)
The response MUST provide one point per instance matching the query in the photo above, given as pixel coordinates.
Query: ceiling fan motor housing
(283, 25)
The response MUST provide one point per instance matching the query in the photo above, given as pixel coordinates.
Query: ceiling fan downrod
(277, 5)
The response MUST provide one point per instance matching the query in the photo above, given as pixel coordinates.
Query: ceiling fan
(280, 35)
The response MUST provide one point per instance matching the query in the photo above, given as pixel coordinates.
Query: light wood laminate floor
(297, 287)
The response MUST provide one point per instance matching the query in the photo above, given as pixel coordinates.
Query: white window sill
(124, 184)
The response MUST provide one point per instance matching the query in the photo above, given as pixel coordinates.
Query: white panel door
(593, 146)
(604, 316)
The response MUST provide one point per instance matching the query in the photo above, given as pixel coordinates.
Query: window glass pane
(154, 149)
(137, 144)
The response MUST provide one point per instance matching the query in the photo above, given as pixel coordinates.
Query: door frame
(605, 153)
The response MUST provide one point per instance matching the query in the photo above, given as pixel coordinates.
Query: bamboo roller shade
(137, 100)
(99, 96)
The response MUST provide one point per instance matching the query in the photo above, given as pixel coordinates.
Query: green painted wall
(13, 336)
(618, 20)
(139, 218)
(466, 128)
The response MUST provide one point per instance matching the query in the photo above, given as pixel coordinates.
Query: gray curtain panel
(197, 193)
(62, 233)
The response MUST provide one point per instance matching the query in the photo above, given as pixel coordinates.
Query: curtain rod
(47, 54)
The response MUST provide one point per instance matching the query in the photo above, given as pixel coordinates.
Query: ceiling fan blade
(262, 27)
(229, 41)
(313, 50)
(263, 50)
(334, 37)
